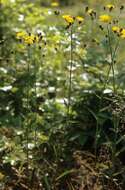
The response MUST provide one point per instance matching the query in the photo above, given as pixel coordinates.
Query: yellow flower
(122, 33)
(20, 35)
(30, 39)
(110, 6)
(69, 19)
(54, 4)
(116, 29)
(105, 18)
(80, 19)
(90, 11)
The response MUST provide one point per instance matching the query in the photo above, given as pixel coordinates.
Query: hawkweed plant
(106, 21)
(70, 20)
(70, 26)
(113, 33)
(28, 40)
(70, 75)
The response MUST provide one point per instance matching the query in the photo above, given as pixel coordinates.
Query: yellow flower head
(69, 19)
(54, 4)
(116, 29)
(30, 39)
(110, 6)
(20, 35)
(90, 11)
(79, 19)
(122, 33)
(105, 18)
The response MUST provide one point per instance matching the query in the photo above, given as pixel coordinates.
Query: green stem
(70, 76)
(27, 126)
(113, 54)
(112, 59)
(107, 78)
(96, 139)
(35, 87)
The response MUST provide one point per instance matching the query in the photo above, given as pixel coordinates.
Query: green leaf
(120, 139)
(74, 137)
(65, 174)
(93, 114)
(119, 152)
(83, 139)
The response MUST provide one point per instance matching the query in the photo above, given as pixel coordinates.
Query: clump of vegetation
(62, 95)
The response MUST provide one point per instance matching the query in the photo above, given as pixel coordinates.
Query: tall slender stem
(113, 54)
(110, 67)
(27, 126)
(70, 75)
(35, 88)
(112, 59)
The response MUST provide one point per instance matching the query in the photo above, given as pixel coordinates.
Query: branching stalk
(113, 54)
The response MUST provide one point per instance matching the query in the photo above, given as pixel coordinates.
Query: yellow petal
(69, 19)
(105, 18)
